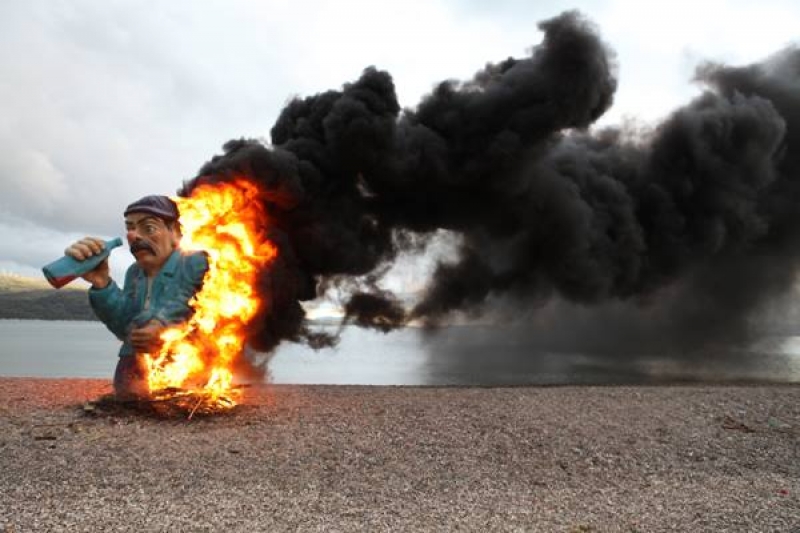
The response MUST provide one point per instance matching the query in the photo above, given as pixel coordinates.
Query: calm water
(458, 355)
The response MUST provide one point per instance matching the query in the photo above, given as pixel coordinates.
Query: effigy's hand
(147, 338)
(85, 248)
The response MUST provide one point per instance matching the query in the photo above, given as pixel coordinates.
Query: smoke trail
(695, 217)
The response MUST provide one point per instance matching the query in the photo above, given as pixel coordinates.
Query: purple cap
(160, 206)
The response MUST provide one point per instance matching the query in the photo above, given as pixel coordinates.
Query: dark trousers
(130, 378)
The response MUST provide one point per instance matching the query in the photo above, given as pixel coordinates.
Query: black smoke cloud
(694, 221)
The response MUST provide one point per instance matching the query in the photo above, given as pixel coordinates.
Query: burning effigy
(189, 369)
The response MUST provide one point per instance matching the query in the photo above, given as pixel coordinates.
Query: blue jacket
(124, 309)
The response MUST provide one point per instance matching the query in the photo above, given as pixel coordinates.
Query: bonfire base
(167, 403)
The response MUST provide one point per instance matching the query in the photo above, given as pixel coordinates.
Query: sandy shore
(325, 458)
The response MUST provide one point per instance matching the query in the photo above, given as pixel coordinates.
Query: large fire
(226, 220)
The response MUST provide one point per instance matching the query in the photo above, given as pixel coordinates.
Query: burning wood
(197, 401)
(172, 402)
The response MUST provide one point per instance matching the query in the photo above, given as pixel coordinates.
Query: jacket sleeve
(114, 306)
(176, 308)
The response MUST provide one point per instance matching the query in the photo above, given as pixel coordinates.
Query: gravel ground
(334, 458)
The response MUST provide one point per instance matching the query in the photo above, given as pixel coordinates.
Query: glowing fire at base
(226, 220)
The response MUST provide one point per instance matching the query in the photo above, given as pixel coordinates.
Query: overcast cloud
(107, 101)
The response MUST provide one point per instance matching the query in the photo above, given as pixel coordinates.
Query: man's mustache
(142, 245)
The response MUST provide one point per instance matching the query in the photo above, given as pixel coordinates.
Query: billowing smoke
(688, 225)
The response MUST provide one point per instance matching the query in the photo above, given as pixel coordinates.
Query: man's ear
(176, 234)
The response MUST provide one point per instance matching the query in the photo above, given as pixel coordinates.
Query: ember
(193, 369)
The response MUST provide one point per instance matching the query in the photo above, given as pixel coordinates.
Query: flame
(226, 220)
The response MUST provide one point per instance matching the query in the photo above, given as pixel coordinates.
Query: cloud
(110, 102)
(104, 102)
(26, 247)
(661, 43)
(113, 101)
(36, 183)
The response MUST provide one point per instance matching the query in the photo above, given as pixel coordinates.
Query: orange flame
(226, 220)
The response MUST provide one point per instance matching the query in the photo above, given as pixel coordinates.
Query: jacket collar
(168, 268)
(171, 265)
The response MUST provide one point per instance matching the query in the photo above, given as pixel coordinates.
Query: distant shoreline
(30, 298)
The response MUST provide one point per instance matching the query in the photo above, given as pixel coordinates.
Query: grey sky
(106, 101)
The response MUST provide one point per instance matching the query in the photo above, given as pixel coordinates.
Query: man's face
(151, 240)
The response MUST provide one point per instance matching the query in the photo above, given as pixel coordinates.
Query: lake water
(455, 356)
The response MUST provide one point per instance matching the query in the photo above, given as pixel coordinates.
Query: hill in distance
(22, 297)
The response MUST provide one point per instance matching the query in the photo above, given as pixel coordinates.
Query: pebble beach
(361, 458)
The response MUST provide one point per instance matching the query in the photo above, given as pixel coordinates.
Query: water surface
(455, 356)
